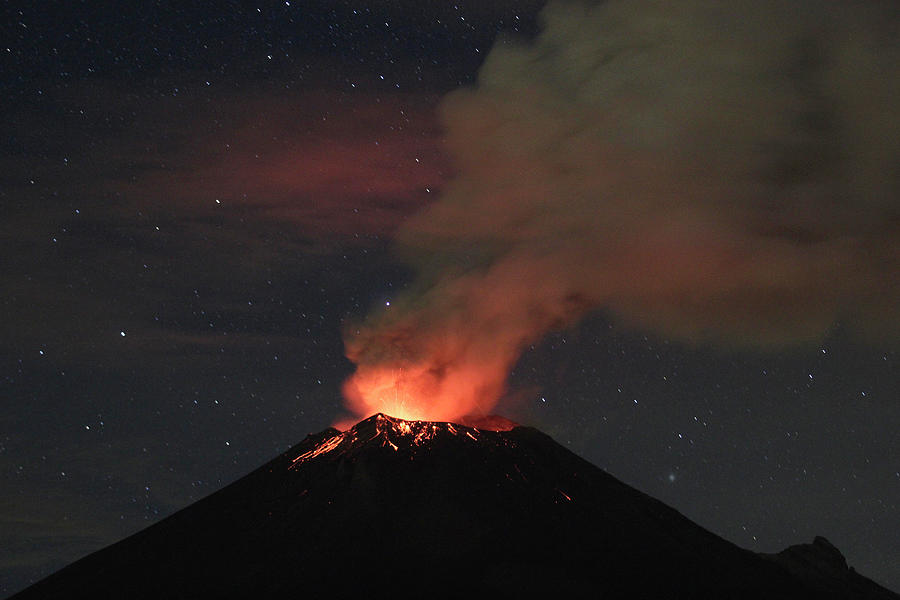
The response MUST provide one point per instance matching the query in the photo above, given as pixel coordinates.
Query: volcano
(428, 509)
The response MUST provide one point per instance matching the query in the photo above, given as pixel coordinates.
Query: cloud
(161, 214)
(332, 165)
(721, 173)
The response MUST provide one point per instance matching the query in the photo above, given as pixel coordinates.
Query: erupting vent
(394, 433)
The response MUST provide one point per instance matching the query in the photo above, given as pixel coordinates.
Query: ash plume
(714, 172)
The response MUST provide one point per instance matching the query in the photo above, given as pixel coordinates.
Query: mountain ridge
(508, 512)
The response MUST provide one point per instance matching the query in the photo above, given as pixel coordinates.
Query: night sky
(668, 236)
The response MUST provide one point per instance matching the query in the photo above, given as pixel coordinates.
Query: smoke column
(715, 172)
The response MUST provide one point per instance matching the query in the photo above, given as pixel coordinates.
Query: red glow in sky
(423, 390)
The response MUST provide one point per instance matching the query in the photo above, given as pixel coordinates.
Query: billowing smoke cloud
(716, 172)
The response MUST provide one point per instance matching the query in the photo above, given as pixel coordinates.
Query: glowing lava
(402, 434)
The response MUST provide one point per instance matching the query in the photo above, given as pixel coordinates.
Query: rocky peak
(400, 434)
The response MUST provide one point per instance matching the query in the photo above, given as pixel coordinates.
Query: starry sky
(200, 207)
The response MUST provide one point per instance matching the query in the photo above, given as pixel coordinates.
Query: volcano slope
(415, 508)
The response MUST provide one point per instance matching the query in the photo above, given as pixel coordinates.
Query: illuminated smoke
(716, 172)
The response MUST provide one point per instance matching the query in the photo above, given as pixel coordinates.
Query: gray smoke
(714, 171)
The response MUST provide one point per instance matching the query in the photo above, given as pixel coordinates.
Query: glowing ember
(393, 433)
(324, 448)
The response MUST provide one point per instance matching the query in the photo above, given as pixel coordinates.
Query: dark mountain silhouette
(412, 508)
